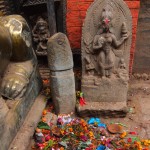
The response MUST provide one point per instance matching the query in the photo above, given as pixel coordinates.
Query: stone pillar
(61, 74)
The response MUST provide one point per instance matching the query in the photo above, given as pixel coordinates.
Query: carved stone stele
(61, 74)
(106, 42)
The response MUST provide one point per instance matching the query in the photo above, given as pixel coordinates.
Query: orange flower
(146, 142)
(127, 146)
(138, 145)
(91, 135)
(44, 131)
(84, 124)
(81, 134)
(124, 134)
(44, 112)
(38, 130)
(70, 129)
(85, 128)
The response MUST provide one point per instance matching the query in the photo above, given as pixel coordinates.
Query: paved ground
(138, 118)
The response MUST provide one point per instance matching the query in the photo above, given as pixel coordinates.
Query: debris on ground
(72, 133)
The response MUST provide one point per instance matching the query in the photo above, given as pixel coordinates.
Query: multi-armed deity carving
(41, 34)
(105, 48)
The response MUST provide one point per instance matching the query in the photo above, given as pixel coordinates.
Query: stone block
(105, 90)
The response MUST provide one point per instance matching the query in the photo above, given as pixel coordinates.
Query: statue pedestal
(104, 96)
(18, 110)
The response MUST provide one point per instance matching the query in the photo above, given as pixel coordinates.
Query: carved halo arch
(121, 13)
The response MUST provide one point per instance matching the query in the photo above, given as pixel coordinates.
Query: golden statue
(17, 59)
(19, 76)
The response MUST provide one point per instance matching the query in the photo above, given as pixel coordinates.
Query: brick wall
(75, 14)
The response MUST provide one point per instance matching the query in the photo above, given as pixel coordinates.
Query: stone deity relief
(40, 35)
(106, 40)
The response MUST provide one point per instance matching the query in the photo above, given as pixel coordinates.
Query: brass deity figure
(17, 59)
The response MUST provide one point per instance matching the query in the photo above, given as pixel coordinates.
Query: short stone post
(61, 74)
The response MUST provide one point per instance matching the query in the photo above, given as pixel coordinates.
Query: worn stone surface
(106, 42)
(24, 135)
(3, 109)
(63, 91)
(59, 53)
(105, 90)
(61, 74)
(103, 109)
(139, 93)
(142, 53)
(18, 111)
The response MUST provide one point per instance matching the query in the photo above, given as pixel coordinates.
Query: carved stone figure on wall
(106, 42)
(41, 34)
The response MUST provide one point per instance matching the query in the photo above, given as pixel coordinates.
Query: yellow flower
(62, 132)
(146, 142)
(123, 134)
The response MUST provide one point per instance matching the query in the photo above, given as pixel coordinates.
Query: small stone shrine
(106, 43)
(61, 74)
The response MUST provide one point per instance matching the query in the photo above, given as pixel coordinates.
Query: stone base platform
(102, 109)
(97, 89)
(15, 111)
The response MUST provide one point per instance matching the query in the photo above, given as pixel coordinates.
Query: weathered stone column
(61, 74)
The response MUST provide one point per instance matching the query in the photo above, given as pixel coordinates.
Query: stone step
(102, 109)
(25, 134)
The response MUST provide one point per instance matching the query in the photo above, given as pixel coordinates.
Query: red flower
(129, 140)
(82, 101)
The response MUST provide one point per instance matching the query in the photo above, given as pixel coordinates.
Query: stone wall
(142, 53)
(76, 12)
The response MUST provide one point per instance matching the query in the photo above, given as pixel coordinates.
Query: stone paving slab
(25, 134)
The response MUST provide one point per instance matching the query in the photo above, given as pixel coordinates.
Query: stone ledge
(103, 109)
(24, 135)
